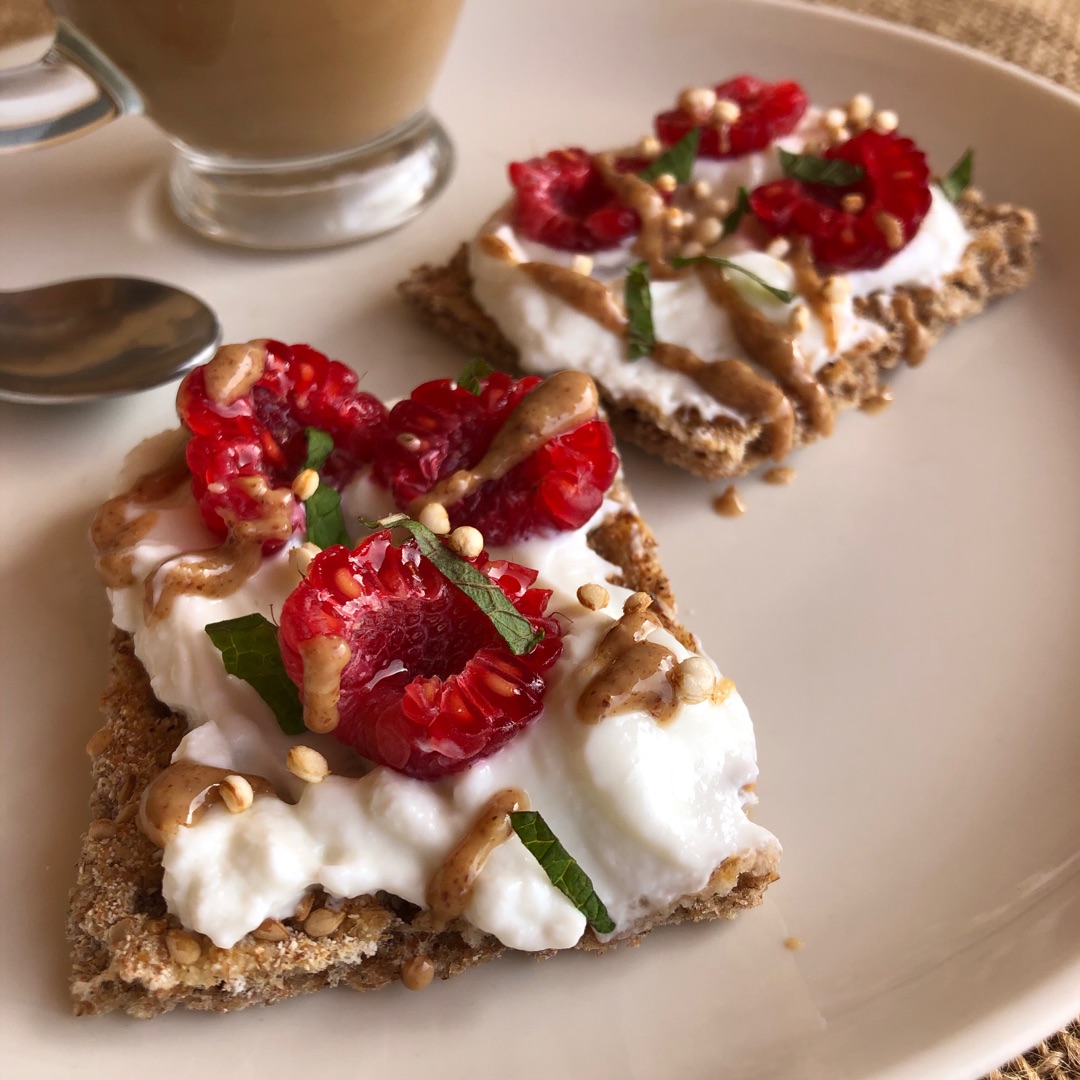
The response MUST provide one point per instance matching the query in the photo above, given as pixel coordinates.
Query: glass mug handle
(71, 90)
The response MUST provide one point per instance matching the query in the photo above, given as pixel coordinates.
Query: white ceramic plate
(903, 620)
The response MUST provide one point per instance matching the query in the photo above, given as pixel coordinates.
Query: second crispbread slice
(999, 260)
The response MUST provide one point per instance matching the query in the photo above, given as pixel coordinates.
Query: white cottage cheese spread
(648, 810)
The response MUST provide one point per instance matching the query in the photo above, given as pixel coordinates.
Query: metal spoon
(98, 337)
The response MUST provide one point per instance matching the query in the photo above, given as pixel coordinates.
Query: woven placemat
(1040, 35)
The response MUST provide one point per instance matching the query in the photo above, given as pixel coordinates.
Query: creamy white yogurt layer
(550, 334)
(648, 810)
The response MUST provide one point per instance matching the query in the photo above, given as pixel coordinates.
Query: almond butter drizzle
(877, 402)
(736, 384)
(779, 474)
(730, 382)
(916, 337)
(182, 793)
(811, 288)
(114, 532)
(775, 348)
(451, 886)
(222, 570)
(729, 503)
(648, 203)
(417, 973)
(234, 370)
(559, 404)
(632, 673)
(495, 247)
(324, 659)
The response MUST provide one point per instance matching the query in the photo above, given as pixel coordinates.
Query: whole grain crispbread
(130, 954)
(999, 260)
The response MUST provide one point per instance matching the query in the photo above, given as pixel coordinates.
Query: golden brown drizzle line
(633, 673)
(182, 793)
(222, 570)
(559, 404)
(731, 382)
(324, 658)
(451, 886)
(115, 532)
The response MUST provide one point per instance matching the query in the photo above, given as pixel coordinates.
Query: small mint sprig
(734, 218)
(834, 172)
(677, 160)
(958, 179)
(249, 650)
(509, 623)
(640, 334)
(325, 523)
(474, 372)
(781, 294)
(561, 868)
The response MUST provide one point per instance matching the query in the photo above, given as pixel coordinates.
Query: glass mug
(298, 123)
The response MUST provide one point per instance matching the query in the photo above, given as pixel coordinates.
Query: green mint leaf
(320, 445)
(959, 177)
(640, 336)
(560, 866)
(510, 624)
(325, 522)
(250, 651)
(818, 170)
(734, 219)
(781, 294)
(678, 159)
(475, 370)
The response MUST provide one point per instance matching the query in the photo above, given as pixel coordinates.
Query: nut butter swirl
(773, 347)
(324, 657)
(632, 674)
(115, 532)
(451, 886)
(561, 403)
(220, 571)
(731, 382)
(643, 198)
(182, 793)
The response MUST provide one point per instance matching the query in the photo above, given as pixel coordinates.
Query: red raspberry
(563, 201)
(429, 686)
(896, 183)
(262, 434)
(558, 487)
(767, 111)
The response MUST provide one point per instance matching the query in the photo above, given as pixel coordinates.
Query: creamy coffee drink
(272, 80)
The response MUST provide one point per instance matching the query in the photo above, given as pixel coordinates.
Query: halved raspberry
(429, 685)
(767, 111)
(893, 197)
(563, 201)
(441, 428)
(262, 433)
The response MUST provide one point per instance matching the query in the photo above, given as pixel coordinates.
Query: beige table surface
(1042, 36)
